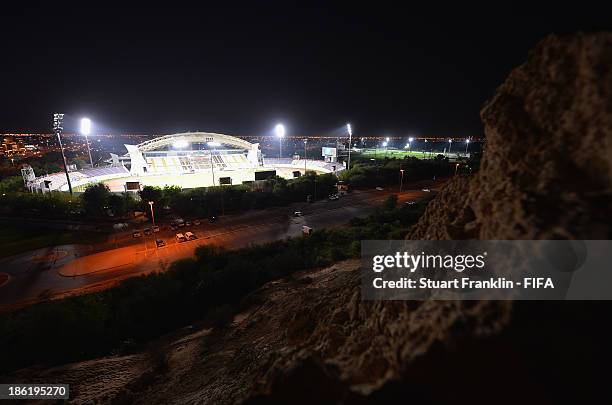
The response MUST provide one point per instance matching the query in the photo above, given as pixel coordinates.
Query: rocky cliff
(546, 172)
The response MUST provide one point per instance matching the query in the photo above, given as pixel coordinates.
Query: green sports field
(394, 153)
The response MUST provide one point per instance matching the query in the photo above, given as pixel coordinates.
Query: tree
(150, 193)
(120, 204)
(95, 199)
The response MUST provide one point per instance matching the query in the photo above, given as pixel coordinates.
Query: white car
(190, 236)
(180, 238)
(136, 234)
(379, 188)
(156, 229)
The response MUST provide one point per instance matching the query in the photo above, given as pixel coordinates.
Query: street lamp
(456, 167)
(212, 162)
(467, 143)
(401, 179)
(450, 143)
(57, 128)
(280, 132)
(86, 130)
(350, 132)
(152, 214)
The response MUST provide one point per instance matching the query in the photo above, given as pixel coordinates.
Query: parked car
(297, 214)
(333, 197)
(180, 238)
(160, 243)
(156, 229)
(136, 234)
(426, 190)
(410, 203)
(187, 223)
(173, 227)
(190, 236)
(196, 222)
(147, 231)
(379, 188)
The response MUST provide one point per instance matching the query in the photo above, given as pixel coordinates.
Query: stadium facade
(188, 160)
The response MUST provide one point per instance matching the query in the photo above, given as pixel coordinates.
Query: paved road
(38, 274)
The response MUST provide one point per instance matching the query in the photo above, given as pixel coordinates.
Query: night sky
(151, 70)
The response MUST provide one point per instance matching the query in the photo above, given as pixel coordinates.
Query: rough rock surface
(546, 172)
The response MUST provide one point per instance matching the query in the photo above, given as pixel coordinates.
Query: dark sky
(141, 68)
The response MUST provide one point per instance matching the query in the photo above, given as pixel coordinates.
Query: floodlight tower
(409, 142)
(86, 130)
(467, 143)
(450, 143)
(350, 132)
(57, 128)
(280, 133)
(305, 142)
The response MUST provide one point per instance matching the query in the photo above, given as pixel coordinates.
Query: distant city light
(85, 126)
(280, 130)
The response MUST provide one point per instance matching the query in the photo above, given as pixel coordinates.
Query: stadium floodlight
(280, 130)
(349, 129)
(387, 139)
(467, 143)
(213, 144)
(450, 143)
(85, 126)
(181, 143)
(410, 139)
(86, 130)
(57, 128)
(280, 133)
(385, 144)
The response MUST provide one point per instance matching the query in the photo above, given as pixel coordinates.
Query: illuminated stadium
(187, 160)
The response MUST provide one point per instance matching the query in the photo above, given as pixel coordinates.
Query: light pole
(450, 143)
(212, 162)
(401, 179)
(280, 132)
(456, 167)
(305, 141)
(86, 130)
(57, 128)
(467, 143)
(410, 142)
(152, 214)
(350, 132)
(385, 146)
